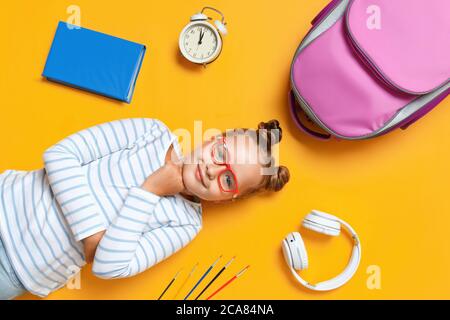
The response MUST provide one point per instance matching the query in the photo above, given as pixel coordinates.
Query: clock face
(200, 43)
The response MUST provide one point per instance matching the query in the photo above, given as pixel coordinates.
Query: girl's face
(203, 169)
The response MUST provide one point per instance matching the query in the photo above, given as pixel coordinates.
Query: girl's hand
(90, 245)
(165, 181)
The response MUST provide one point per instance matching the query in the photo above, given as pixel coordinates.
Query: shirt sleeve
(63, 163)
(127, 248)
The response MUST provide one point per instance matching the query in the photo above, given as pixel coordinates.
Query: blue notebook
(94, 61)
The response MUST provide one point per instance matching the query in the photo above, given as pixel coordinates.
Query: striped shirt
(91, 182)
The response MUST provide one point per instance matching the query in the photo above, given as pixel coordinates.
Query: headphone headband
(345, 275)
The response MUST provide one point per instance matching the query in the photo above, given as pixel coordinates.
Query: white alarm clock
(200, 41)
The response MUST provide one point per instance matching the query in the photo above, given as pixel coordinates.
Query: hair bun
(278, 180)
(272, 125)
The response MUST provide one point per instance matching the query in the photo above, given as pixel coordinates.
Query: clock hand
(200, 37)
(202, 33)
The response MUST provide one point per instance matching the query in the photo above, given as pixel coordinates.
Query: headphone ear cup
(294, 251)
(322, 222)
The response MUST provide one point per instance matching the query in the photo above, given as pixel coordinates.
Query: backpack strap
(300, 124)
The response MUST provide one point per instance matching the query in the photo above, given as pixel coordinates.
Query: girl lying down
(121, 195)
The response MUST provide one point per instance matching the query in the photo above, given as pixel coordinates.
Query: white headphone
(295, 253)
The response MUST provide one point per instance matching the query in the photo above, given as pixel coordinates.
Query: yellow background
(392, 189)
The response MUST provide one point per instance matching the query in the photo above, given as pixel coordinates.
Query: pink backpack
(367, 67)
